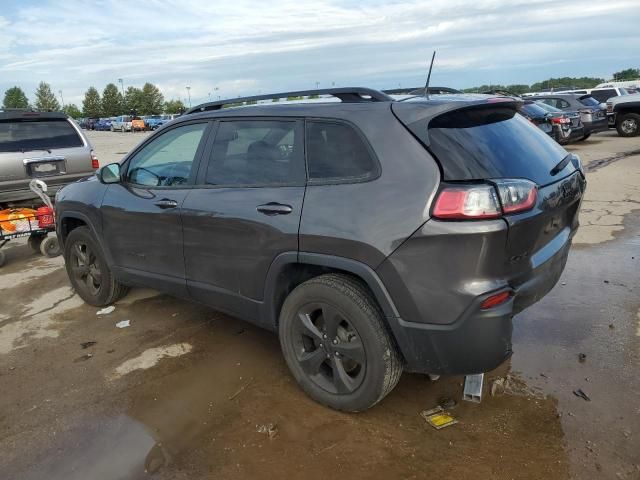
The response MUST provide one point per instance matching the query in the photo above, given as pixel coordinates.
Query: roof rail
(420, 90)
(346, 94)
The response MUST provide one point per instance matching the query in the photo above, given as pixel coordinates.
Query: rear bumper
(53, 185)
(601, 125)
(479, 340)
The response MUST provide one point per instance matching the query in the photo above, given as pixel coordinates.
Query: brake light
(495, 300)
(517, 195)
(95, 164)
(470, 202)
(560, 120)
(476, 202)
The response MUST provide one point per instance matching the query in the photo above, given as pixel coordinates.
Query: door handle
(274, 208)
(166, 203)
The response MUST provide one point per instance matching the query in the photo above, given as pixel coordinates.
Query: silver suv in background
(122, 123)
(48, 146)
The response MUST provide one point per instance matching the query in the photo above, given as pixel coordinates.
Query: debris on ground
(438, 418)
(611, 326)
(88, 344)
(123, 324)
(509, 385)
(606, 281)
(271, 429)
(472, 391)
(582, 357)
(241, 389)
(83, 358)
(581, 394)
(447, 402)
(106, 310)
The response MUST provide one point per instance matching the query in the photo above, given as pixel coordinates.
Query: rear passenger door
(244, 212)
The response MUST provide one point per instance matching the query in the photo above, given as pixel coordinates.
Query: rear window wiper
(560, 166)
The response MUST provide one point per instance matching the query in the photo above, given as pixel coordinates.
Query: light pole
(209, 96)
(121, 82)
(61, 98)
(317, 85)
(215, 89)
(189, 94)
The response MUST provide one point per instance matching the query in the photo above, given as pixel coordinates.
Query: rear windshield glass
(534, 110)
(18, 136)
(494, 142)
(589, 101)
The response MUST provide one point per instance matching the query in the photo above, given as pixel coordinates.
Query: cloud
(244, 47)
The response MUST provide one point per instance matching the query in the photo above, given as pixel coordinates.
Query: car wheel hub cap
(629, 126)
(85, 269)
(328, 349)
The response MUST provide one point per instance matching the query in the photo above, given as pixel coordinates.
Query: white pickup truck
(624, 114)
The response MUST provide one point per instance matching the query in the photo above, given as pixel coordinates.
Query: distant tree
(111, 101)
(627, 74)
(133, 100)
(15, 98)
(91, 105)
(72, 110)
(174, 106)
(45, 99)
(567, 82)
(151, 99)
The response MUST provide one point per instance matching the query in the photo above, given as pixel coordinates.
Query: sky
(232, 48)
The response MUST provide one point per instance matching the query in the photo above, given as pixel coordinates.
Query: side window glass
(256, 152)
(167, 160)
(563, 104)
(336, 152)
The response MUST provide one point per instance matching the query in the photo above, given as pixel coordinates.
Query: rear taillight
(560, 120)
(517, 195)
(95, 164)
(467, 202)
(477, 202)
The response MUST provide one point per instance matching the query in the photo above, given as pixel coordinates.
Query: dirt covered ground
(186, 392)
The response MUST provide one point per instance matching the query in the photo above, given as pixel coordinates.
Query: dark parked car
(374, 235)
(592, 114)
(562, 127)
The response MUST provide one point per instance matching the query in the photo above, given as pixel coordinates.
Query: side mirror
(109, 173)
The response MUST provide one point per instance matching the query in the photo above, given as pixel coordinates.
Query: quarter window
(256, 152)
(167, 160)
(336, 152)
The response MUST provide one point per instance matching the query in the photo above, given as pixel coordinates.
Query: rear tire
(88, 271)
(336, 345)
(628, 125)
(35, 241)
(49, 247)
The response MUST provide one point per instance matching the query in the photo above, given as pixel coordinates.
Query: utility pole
(189, 94)
(61, 98)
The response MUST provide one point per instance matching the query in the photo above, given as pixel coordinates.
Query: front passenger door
(141, 215)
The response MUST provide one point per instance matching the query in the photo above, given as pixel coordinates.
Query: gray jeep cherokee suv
(374, 235)
(44, 145)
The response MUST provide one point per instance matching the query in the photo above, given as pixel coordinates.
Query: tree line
(573, 83)
(147, 100)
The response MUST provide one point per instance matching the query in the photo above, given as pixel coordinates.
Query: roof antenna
(426, 87)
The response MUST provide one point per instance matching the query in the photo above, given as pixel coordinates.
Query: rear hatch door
(42, 147)
(480, 143)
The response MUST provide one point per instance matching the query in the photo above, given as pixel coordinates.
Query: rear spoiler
(26, 114)
(416, 116)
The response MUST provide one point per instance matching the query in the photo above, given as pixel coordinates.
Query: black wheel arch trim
(359, 269)
(85, 218)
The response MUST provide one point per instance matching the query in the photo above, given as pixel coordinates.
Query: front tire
(88, 271)
(585, 137)
(336, 345)
(628, 125)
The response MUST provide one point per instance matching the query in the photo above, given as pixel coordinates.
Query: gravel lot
(181, 393)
